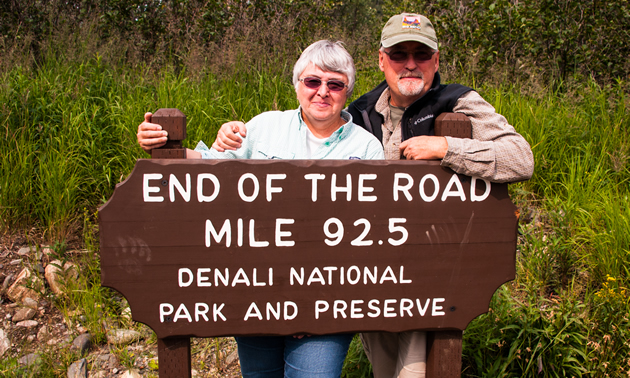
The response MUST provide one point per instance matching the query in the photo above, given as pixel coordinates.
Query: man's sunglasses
(315, 83)
(400, 56)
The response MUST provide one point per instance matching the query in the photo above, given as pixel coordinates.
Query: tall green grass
(69, 135)
(566, 314)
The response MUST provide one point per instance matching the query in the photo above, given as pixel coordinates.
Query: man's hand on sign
(150, 135)
(424, 148)
(229, 136)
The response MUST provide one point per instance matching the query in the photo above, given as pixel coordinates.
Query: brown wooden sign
(214, 248)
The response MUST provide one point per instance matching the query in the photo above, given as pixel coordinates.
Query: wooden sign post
(444, 348)
(173, 352)
(204, 248)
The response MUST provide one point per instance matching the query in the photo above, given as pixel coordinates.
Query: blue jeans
(290, 357)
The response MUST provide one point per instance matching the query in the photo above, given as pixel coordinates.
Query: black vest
(418, 119)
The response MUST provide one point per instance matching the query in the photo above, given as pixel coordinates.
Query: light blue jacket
(282, 135)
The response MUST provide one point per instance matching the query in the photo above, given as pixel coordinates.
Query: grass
(69, 136)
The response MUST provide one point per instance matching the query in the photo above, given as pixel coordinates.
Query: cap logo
(411, 22)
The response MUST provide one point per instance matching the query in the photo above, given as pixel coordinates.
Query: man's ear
(437, 60)
(381, 56)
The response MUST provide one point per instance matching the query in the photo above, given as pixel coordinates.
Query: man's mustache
(417, 75)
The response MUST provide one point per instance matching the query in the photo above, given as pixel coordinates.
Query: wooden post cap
(455, 125)
(173, 121)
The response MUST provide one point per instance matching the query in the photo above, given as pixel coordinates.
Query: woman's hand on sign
(151, 135)
(229, 136)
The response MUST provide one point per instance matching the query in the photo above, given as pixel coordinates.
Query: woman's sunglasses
(399, 56)
(315, 82)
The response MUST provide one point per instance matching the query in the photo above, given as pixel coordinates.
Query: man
(401, 112)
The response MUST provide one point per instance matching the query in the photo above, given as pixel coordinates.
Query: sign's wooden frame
(444, 347)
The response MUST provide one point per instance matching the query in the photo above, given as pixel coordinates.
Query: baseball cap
(409, 27)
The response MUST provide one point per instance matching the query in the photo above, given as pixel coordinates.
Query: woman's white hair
(328, 56)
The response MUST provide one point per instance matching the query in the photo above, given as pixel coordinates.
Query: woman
(323, 78)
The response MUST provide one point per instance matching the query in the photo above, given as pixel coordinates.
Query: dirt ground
(51, 337)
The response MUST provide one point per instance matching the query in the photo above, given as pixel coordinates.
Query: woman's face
(321, 107)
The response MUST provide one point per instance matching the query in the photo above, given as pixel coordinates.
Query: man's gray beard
(411, 89)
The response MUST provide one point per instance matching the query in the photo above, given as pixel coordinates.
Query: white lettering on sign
(173, 183)
(473, 190)
(226, 232)
(458, 192)
(366, 189)
(290, 311)
(389, 308)
(335, 237)
(200, 312)
(241, 183)
(429, 187)
(252, 236)
(217, 186)
(314, 177)
(362, 190)
(353, 275)
(147, 190)
(175, 186)
(334, 189)
(186, 277)
(422, 188)
(280, 234)
(403, 183)
(271, 189)
(398, 187)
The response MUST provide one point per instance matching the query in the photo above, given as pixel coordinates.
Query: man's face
(411, 77)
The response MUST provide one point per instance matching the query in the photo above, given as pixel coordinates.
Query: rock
(57, 274)
(25, 251)
(5, 343)
(131, 374)
(15, 262)
(122, 336)
(78, 369)
(23, 314)
(82, 343)
(43, 334)
(7, 282)
(28, 324)
(30, 359)
(103, 359)
(232, 358)
(24, 286)
(30, 303)
(47, 250)
(113, 360)
(99, 374)
(30, 338)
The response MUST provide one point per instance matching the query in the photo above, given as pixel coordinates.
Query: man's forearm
(496, 153)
